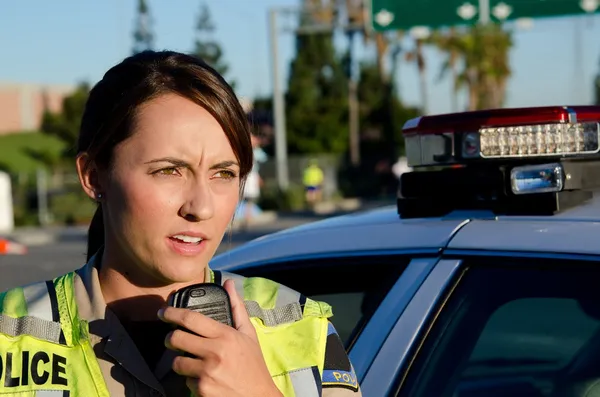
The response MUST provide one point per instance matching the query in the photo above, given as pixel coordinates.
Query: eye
(168, 171)
(226, 174)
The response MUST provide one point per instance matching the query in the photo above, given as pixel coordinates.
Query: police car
(484, 280)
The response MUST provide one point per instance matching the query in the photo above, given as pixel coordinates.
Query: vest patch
(335, 353)
(345, 379)
(36, 368)
(337, 371)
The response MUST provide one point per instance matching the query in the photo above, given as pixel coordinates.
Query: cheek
(138, 200)
(226, 202)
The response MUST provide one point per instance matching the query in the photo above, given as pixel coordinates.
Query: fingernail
(161, 313)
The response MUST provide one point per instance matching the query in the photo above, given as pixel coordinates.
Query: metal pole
(279, 108)
(579, 82)
(484, 12)
(422, 77)
(353, 105)
(42, 195)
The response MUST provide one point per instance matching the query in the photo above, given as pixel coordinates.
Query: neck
(132, 294)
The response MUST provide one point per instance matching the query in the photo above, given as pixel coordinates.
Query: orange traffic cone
(11, 248)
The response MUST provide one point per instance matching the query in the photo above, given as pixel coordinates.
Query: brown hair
(113, 102)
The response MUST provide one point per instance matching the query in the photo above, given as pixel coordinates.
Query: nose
(199, 203)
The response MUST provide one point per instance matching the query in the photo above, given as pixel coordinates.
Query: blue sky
(65, 41)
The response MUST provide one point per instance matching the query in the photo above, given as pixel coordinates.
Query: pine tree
(375, 106)
(65, 124)
(205, 46)
(143, 38)
(317, 100)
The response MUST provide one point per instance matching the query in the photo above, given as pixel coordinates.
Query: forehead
(173, 125)
(174, 111)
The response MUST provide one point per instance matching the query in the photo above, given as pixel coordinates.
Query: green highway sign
(409, 14)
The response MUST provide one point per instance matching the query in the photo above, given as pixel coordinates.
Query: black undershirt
(149, 337)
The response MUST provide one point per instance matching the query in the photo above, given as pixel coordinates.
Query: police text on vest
(36, 368)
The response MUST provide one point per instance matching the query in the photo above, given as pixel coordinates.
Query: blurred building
(22, 105)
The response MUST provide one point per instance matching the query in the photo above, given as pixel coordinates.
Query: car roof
(377, 230)
(381, 230)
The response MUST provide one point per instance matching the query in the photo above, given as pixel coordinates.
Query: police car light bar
(546, 132)
(528, 161)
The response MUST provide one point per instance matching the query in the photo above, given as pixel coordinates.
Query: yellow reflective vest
(45, 350)
(313, 176)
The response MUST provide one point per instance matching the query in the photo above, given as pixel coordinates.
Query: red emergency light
(503, 134)
(505, 161)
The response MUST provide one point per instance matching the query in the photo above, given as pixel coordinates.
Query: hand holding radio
(224, 356)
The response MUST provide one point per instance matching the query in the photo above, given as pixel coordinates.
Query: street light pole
(484, 12)
(279, 108)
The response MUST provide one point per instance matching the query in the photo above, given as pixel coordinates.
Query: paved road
(48, 261)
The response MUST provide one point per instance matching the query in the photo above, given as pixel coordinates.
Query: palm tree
(493, 44)
(417, 56)
(449, 43)
(483, 54)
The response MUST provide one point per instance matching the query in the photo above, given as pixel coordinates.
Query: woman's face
(171, 192)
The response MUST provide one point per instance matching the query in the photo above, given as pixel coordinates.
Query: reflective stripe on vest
(52, 393)
(286, 307)
(32, 310)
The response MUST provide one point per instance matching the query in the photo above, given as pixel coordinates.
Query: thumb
(241, 320)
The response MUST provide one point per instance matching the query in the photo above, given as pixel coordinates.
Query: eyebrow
(224, 164)
(172, 160)
(182, 163)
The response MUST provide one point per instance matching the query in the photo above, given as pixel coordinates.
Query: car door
(497, 325)
(367, 291)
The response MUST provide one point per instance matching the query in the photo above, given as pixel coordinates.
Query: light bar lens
(537, 179)
(539, 140)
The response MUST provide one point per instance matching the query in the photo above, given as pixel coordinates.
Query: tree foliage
(482, 53)
(65, 124)
(143, 37)
(205, 45)
(317, 103)
(380, 109)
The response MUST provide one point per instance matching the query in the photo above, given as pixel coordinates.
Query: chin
(184, 271)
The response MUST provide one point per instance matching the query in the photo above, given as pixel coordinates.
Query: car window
(353, 286)
(529, 328)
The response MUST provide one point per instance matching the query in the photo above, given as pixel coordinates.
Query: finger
(192, 321)
(188, 366)
(194, 385)
(185, 342)
(238, 309)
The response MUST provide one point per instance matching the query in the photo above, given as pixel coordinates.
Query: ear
(89, 176)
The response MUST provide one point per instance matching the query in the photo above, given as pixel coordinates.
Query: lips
(187, 243)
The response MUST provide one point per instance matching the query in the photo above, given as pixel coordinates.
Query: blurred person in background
(313, 182)
(254, 182)
(164, 148)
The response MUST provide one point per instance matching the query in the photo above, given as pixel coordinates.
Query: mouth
(185, 239)
(187, 244)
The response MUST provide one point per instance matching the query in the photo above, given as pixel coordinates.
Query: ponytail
(95, 234)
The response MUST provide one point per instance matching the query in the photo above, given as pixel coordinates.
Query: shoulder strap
(32, 310)
(273, 303)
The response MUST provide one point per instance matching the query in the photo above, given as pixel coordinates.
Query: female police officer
(164, 148)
